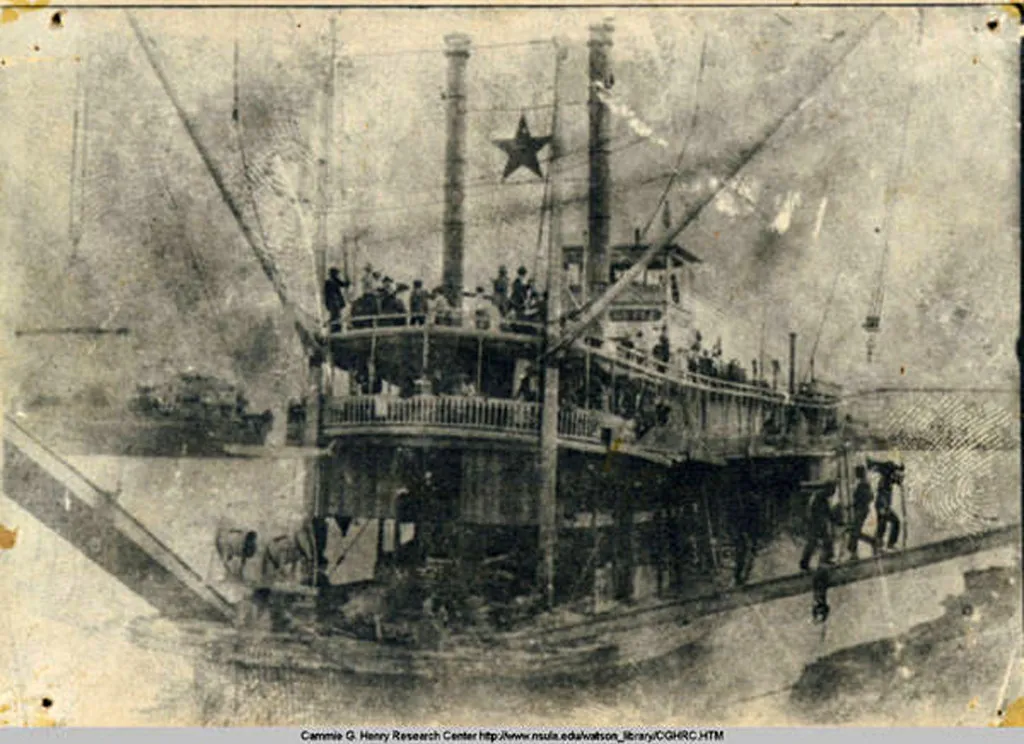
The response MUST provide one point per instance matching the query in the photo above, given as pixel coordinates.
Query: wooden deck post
(547, 513)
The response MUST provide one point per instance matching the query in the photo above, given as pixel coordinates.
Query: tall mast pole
(315, 482)
(547, 513)
(324, 169)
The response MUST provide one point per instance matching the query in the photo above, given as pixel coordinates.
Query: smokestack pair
(457, 48)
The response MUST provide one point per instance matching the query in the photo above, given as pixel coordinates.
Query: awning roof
(628, 253)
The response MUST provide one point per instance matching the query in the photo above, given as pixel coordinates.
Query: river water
(69, 627)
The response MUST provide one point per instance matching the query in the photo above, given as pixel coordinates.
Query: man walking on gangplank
(822, 515)
(891, 474)
(862, 498)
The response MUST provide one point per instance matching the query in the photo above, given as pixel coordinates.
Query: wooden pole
(547, 514)
(479, 361)
(596, 559)
(323, 170)
(317, 486)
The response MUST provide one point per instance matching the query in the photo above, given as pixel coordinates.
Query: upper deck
(472, 376)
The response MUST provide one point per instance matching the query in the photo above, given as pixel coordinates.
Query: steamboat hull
(681, 653)
(589, 648)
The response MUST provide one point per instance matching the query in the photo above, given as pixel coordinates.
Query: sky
(867, 127)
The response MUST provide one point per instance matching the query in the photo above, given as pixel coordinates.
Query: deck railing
(465, 412)
(456, 412)
(674, 371)
(472, 414)
(455, 319)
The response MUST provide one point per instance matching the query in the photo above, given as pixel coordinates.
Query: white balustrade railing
(465, 412)
(579, 424)
(514, 417)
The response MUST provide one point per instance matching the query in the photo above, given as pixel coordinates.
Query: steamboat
(543, 473)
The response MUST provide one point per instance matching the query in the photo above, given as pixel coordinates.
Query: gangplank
(51, 490)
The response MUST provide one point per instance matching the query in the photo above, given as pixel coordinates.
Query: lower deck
(458, 525)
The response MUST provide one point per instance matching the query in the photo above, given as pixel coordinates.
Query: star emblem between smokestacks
(522, 150)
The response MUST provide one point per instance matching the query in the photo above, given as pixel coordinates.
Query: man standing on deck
(822, 515)
(519, 292)
(419, 303)
(501, 288)
(890, 474)
(334, 298)
(862, 498)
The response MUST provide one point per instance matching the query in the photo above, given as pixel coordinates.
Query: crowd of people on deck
(698, 359)
(515, 305)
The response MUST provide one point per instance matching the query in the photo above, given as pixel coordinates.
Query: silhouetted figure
(391, 307)
(527, 389)
(365, 309)
(890, 474)
(746, 528)
(519, 292)
(822, 515)
(334, 298)
(706, 365)
(501, 289)
(419, 303)
(862, 498)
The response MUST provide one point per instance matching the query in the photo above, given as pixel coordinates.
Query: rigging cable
(686, 141)
(596, 305)
(832, 292)
(872, 323)
(250, 190)
(266, 261)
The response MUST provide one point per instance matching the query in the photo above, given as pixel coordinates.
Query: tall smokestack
(457, 52)
(598, 214)
(792, 364)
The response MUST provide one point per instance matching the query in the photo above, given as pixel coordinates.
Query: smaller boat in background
(189, 415)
